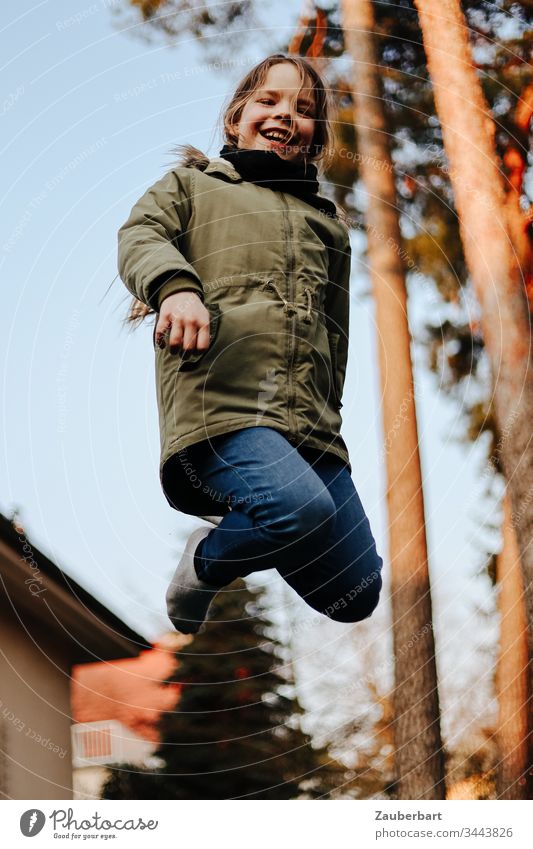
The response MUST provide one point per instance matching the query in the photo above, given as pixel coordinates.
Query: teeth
(275, 135)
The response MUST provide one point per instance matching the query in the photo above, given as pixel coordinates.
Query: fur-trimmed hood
(190, 157)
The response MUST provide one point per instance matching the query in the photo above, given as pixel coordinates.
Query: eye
(265, 100)
(305, 110)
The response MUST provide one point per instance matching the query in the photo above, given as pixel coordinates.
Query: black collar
(266, 168)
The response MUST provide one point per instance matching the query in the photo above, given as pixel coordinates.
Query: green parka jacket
(274, 273)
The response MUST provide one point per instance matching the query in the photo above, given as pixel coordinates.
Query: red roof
(129, 690)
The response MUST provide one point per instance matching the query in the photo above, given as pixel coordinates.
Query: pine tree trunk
(512, 683)
(419, 760)
(468, 133)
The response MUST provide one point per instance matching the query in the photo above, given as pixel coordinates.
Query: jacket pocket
(188, 360)
(333, 339)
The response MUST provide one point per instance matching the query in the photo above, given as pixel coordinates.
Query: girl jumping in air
(247, 269)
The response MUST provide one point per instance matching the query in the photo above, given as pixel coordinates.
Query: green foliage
(235, 732)
(175, 21)
(501, 37)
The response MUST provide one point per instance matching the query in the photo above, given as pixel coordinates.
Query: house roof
(36, 588)
(130, 690)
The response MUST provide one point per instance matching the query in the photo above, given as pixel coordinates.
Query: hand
(188, 319)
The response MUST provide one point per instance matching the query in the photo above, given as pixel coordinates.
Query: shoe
(187, 597)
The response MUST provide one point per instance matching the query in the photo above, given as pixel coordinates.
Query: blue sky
(89, 116)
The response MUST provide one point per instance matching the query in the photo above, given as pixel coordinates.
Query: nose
(284, 110)
(285, 117)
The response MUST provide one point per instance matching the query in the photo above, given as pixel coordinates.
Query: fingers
(160, 330)
(185, 334)
(202, 339)
(182, 335)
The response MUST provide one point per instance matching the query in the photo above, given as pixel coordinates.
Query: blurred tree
(512, 681)
(236, 732)
(219, 27)
(491, 243)
(418, 745)
(374, 772)
(501, 37)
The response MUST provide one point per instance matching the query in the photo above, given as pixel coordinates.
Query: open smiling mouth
(280, 138)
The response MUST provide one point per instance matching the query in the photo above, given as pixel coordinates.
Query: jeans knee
(303, 521)
(358, 603)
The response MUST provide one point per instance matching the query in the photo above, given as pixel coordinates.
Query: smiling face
(279, 115)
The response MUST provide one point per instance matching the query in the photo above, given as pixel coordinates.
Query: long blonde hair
(321, 145)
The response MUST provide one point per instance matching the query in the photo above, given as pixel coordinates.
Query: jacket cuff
(166, 286)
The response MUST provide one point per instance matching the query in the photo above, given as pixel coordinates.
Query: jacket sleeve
(150, 262)
(337, 306)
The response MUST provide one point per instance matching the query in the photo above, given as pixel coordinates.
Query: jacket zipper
(293, 430)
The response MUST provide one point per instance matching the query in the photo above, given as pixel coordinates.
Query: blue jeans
(293, 509)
